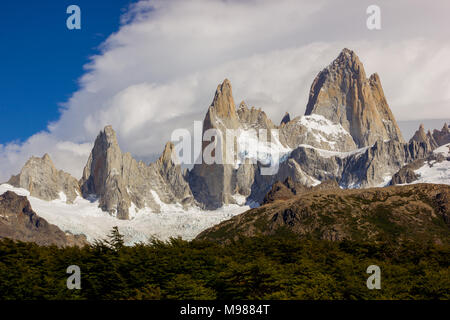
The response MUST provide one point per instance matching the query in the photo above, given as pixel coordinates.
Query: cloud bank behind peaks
(160, 70)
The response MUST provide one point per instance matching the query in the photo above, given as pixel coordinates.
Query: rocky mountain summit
(18, 221)
(44, 181)
(427, 138)
(119, 181)
(343, 94)
(442, 137)
(435, 139)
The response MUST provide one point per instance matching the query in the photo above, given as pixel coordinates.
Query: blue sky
(41, 59)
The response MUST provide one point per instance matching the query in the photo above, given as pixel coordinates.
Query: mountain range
(348, 138)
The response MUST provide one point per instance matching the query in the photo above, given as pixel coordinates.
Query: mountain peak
(420, 135)
(243, 105)
(108, 135)
(286, 118)
(46, 158)
(347, 54)
(348, 60)
(223, 102)
(442, 137)
(168, 155)
(342, 94)
(424, 137)
(40, 177)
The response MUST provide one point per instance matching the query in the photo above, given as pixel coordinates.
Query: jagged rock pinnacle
(422, 137)
(442, 137)
(223, 102)
(286, 118)
(168, 157)
(119, 181)
(342, 93)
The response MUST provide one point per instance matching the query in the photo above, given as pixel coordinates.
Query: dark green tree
(115, 239)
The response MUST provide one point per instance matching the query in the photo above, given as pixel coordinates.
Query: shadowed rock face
(211, 184)
(363, 168)
(118, 180)
(442, 137)
(343, 94)
(286, 118)
(18, 221)
(399, 213)
(44, 181)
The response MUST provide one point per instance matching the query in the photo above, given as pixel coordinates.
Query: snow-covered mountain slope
(266, 150)
(317, 131)
(436, 172)
(84, 217)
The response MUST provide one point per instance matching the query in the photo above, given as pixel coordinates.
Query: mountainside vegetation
(266, 267)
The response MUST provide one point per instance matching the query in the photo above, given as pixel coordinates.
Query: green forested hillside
(256, 268)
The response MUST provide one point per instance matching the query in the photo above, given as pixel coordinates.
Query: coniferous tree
(116, 239)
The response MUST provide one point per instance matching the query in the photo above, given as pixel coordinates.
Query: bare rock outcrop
(252, 118)
(343, 94)
(421, 136)
(44, 181)
(286, 118)
(18, 221)
(289, 189)
(119, 181)
(361, 168)
(218, 183)
(443, 136)
(210, 181)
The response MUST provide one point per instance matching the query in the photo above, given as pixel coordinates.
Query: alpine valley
(344, 171)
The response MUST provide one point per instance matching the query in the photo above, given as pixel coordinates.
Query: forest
(268, 268)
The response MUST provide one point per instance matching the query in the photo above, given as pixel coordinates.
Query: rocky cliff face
(286, 118)
(18, 221)
(343, 94)
(44, 181)
(215, 184)
(361, 168)
(119, 181)
(442, 137)
(211, 183)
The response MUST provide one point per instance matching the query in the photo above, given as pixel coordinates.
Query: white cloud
(160, 70)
